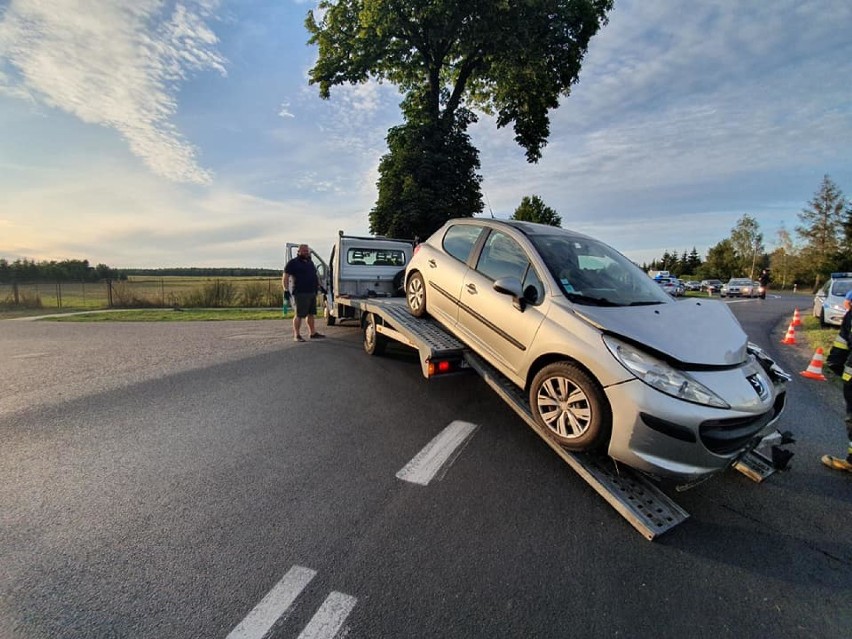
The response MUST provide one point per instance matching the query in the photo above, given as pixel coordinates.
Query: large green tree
(533, 209)
(820, 230)
(514, 59)
(427, 177)
(722, 262)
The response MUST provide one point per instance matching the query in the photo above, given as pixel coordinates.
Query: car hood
(703, 333)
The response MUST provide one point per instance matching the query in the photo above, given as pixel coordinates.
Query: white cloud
(116, 64)
(284, 110)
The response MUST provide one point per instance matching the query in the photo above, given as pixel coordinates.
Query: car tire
(571, 407)
(822, 322)
(374, 342)
(415, 295)
(330, 320)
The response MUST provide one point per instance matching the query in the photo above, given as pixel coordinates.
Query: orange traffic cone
(814, 370)
(790, 337)
(797, 321)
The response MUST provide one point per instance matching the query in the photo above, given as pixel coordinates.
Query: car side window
(460, 239)
(502, 256)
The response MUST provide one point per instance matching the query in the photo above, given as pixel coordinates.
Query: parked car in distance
(711, 286)
(601, 352)
(828, 301)
(692, 285)
(669, 285)
(738, 287)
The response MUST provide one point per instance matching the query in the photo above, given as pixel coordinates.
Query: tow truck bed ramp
(648, 509)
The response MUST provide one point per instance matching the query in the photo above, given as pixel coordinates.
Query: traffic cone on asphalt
(790, 337)
(797, 321)
(814, 370)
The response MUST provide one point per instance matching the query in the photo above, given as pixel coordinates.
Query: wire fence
(163, 292)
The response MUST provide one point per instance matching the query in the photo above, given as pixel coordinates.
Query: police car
(828, 302)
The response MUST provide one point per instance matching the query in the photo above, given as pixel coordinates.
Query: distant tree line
(24, 270)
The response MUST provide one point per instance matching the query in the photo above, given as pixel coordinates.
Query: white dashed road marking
(438, 454)
(258, 622)
(330, 617)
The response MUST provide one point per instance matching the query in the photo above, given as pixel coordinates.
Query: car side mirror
(512, 286)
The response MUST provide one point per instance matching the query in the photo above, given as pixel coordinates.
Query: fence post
(109, 293)
(15, 293)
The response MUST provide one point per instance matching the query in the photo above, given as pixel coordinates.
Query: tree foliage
(427, 177)
(722, 261)
(747, 242)
(512, 59)
(821, 229)
(533, 209)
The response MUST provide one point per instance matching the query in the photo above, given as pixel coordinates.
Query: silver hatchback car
(608, 359)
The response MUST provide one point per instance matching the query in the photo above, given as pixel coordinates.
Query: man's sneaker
(298, 338)
(836, 463)
(317, 336)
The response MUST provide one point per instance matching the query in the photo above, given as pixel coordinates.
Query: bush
(254, 294)
(213, 294)
(26, 299)
(125, 297)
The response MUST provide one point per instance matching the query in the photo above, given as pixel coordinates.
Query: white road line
(264, 615)
(438, 454)
(28, 355)
(330, 617)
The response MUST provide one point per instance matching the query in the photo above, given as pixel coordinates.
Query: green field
(144, 292)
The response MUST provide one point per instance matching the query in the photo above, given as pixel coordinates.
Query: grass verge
(175, 315)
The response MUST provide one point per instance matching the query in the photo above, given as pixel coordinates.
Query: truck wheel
(330, 320)
(415, 295)
(374, 342)
(571, 406)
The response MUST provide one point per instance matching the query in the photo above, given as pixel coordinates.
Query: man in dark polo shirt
(300, 278)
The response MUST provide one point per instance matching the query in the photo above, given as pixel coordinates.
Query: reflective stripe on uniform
(840, 343)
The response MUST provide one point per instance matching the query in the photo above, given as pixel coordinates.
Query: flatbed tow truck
(385, 318)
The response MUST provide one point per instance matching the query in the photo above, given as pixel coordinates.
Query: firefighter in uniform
(840, 362)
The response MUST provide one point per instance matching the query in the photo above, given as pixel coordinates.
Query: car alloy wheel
(415, 295)
(571, 406)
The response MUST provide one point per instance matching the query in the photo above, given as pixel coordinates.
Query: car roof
(527, 228)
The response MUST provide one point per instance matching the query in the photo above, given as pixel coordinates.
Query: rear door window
(375, 257)
(460, 239)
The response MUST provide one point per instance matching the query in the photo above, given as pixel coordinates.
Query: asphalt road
(165, 480)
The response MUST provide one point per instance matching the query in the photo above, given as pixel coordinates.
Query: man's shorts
(306, 304)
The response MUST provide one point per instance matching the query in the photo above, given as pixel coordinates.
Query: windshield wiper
(648, 303)
(593, 301)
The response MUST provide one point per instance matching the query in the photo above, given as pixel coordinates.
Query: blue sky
(154, 134)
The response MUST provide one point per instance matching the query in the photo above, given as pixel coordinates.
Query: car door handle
(471, 288)
(432, 263)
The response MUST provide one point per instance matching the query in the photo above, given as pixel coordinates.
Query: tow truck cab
(361, 267)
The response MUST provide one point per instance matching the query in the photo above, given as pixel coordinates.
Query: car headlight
(661, 376)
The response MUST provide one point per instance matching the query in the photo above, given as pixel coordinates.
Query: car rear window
(375, 257)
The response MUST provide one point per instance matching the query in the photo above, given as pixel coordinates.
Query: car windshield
(841, 287)
(590, 272)
(741, 282)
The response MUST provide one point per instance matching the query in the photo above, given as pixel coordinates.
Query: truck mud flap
(648, 509)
